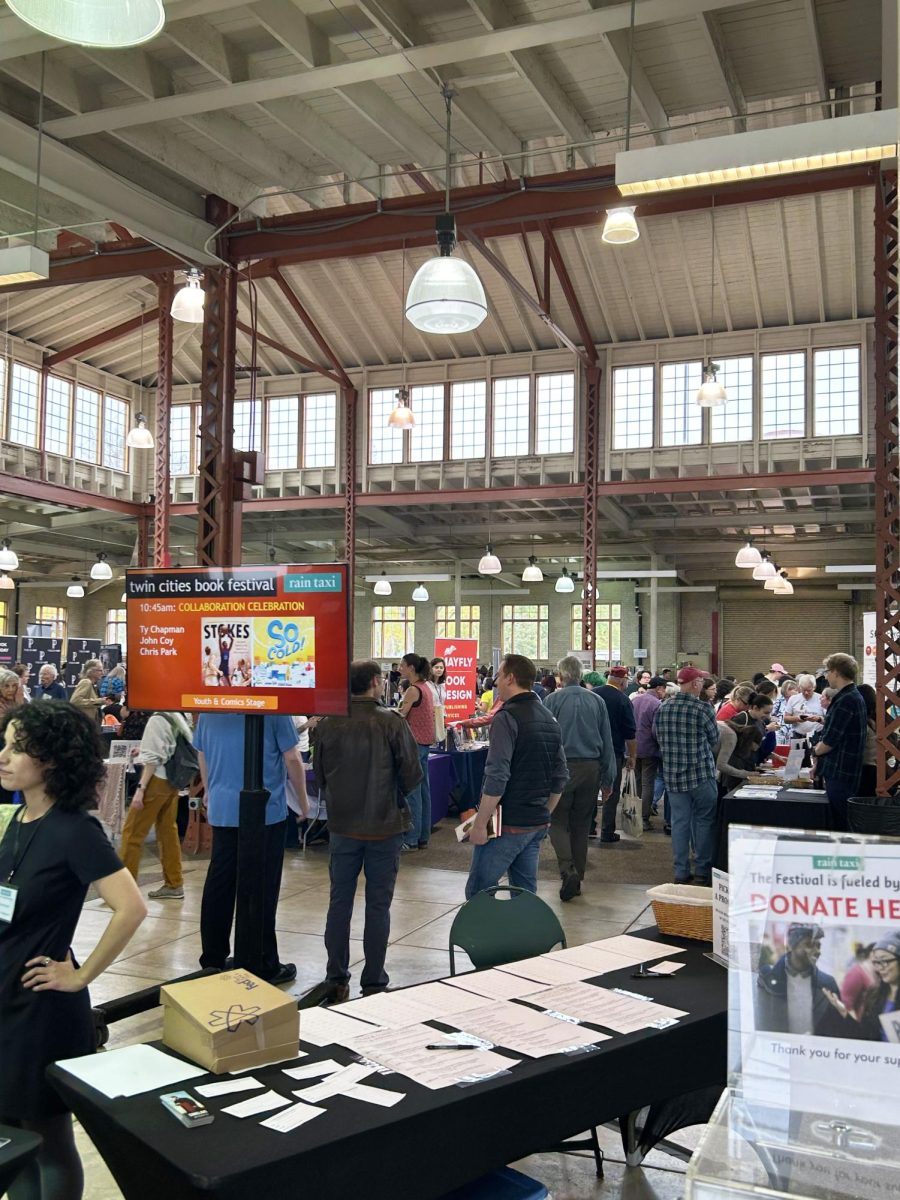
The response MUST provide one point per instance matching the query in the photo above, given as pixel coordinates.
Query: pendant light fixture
(124, 598)
(748, 556)
(446, 296)
(402, 415)
(188, 302)
(101, 570)
(489, 564)
(532, 573)
(9, 560)
(565, 583)
(783, 586)
(774, 580)
(6, 584)
(620, 226)
(765, 569)
(75, 590)
(420, 593)
(104, 24)
(140, 437)
(27, 263)
(711, 393)
(383, 586)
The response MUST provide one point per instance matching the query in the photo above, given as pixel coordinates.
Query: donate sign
(460, 657)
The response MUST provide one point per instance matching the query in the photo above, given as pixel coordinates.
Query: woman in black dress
(51, 852)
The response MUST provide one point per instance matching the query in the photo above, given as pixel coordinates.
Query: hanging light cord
(712, 277)
(448, 101)
(630, 73)
(40, 147)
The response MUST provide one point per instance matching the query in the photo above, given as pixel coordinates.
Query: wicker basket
(682, 910)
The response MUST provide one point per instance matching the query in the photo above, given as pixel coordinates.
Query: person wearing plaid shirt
(687, 735)
(839, 751)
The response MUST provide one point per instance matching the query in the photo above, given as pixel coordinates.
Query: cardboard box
(230, 1022)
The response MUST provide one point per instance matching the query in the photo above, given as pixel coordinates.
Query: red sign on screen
(271, 639)
(460, 657)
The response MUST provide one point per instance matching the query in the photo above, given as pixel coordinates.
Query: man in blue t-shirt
(219, 742)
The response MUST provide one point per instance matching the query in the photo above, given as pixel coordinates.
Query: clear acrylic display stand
(813, 1103)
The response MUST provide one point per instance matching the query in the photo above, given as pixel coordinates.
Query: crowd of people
(560, 747)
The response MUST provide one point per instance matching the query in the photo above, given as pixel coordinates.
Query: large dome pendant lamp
(103, 24)
(446, 296)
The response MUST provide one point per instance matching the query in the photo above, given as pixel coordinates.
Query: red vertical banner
(460, 657)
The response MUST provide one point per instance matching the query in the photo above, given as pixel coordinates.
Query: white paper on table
(600, 1006)
(322, 1027)
(257, 1104)
(635, 949)
(291, 1118)
(404, 1051)
(667, 968)
(371, 1095)
(546, 968)
(131, 1070)
(444, 1001)
(496, 985)
(226, 1086)
(390, 1010)
(523, 1030)
(314, 1070)
(336, 1084)
(594, 959)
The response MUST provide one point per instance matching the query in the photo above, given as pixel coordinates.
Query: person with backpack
(169, 763)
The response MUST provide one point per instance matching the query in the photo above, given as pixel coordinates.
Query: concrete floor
(168, 943)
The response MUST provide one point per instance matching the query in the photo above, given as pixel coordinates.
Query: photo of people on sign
(814, 926)
(239, 639)
(226, 652)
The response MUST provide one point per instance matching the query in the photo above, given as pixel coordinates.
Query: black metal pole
(251, 876)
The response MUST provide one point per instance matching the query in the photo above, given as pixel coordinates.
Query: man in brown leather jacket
(366, 763)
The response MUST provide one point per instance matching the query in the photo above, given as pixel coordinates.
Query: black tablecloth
(431, 1142)
(469, 768)
(15, 1156)
(792, 808)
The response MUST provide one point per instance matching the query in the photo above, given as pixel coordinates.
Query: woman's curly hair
(67, 743)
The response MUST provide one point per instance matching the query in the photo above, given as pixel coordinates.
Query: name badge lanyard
(18, 859)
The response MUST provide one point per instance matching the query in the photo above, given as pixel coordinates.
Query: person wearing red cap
(688, 736)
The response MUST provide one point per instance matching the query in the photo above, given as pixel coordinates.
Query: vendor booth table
(433, 1141)
(792, 808)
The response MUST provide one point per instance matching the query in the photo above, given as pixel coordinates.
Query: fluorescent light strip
(661, 591)
(409, 578)
(856, 587)
(626, 574)
(784, 150)
(841, 569)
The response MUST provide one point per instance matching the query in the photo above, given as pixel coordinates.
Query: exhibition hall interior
(527, 368)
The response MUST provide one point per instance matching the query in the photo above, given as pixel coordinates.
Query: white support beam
(203, 42)
(296, 32)
(350, 72)
(136, 69)
(643, 93)
(732, 92)
(18, 213)
(815, 48)
(74, 178)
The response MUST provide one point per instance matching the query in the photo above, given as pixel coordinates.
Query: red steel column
(350, 401)
(162, 499)
(218, 521)
(591, 470)
(887, 475)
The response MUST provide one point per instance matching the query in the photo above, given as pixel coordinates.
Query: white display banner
(814, 933)
(869, 648)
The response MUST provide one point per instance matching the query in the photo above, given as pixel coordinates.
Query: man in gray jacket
(366, 763)
(587, 740)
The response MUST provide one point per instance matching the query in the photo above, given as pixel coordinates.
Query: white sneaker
(166, 893)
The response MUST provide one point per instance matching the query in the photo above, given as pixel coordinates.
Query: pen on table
(451, 1046)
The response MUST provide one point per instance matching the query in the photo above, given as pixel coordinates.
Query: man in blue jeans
(526, 770)
(366, 763)
(688, 737)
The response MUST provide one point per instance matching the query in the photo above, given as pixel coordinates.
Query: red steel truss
(161, 498)
(591, 469)
(887, 477)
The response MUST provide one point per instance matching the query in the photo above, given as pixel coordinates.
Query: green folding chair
(494, 931)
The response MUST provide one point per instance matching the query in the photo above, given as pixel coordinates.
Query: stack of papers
(131, 1070)
(322, 1027)
(406, 1052)
(390, 1010)
(620, 1011)
(758, 791)
(494, 984)
(523, 1030)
